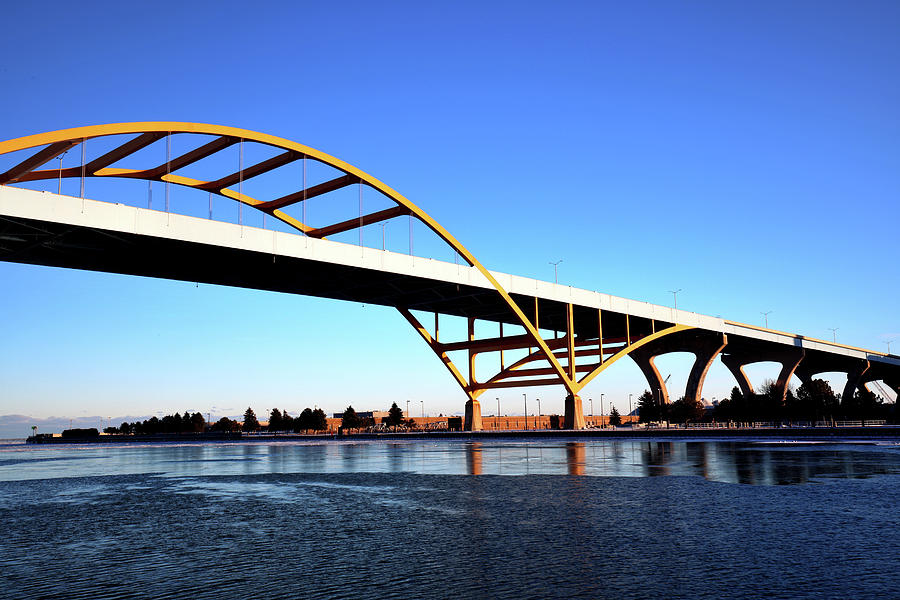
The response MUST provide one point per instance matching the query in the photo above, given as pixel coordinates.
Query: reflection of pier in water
(751, 463)
(575, 458)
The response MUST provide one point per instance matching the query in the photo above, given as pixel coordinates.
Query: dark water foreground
(499, 519)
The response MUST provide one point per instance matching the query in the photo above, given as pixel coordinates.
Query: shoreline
(785, 433)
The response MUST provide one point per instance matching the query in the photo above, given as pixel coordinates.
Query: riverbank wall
(776, 433)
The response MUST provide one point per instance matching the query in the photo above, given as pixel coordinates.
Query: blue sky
(748, 153)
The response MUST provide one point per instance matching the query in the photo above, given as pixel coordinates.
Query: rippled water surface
(451, 519)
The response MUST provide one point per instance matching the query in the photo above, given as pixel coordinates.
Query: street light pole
(498, 414)
(407, 409)
(601, 409)
(526, 411)
(889, 345)
(833, 331)
(423, 408)
(629, 406)
(675, 295)
(555, 270)
(766, 316)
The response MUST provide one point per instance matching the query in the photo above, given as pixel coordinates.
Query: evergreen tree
(275, 420)
(225, 424)
(864, 405)
(319, 421)
(685, 410)
(817, 401)
(614, 418)
(305, 421)
(395, 415)
(648, 409)
(350, 420)
(250, 422)
(198, 423)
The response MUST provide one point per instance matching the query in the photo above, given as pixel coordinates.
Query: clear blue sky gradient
(748, 153)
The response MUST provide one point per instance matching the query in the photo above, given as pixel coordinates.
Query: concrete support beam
(736, 366)
(473, 416)
(574, 417)
(705, 351)
(740, 356)
(789, 365)
(643, 357)
(878, 371)
(855, 380)
(705, 346)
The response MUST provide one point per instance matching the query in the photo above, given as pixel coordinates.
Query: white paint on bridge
(50, 207)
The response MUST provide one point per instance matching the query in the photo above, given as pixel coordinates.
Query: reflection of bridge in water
(546, 334)
(755, 463)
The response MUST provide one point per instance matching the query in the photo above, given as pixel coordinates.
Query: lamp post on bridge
(766, 316)
(555, 270)
(889, 345)
(675, 296)
(833, 331)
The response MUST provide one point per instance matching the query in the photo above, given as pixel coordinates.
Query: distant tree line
(350, 420)
(279, 421)
(813, 401)
(175, 423)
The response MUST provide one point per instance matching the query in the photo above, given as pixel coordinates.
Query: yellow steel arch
(57, 142)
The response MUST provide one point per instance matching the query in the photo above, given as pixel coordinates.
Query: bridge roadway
(595, 329)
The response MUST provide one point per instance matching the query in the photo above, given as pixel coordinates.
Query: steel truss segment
(490, 385)
(126, 149)
(432, 343)
(311, 192)
(630, 348)
(58, 141)
(515, 369)
(354, 223)
(14, 174)
(517, 342)
(252, 171)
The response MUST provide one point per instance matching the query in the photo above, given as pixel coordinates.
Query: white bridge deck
(46, 228)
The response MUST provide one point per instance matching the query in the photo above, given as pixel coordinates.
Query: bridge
(546, 334)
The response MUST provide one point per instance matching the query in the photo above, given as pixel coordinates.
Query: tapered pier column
(855, 381)
(473, 416)
(574, 418)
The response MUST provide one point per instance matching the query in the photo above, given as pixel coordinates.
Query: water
(505, 519)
